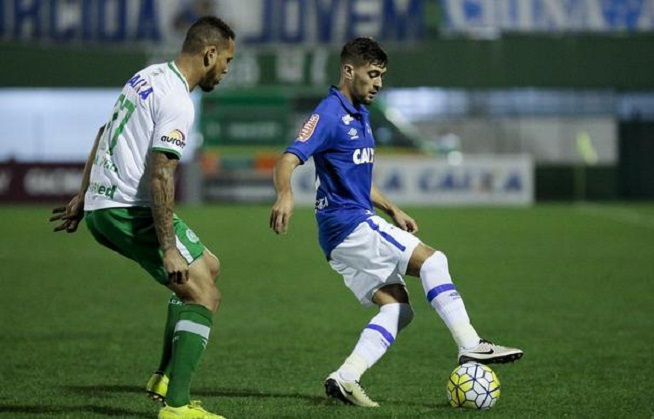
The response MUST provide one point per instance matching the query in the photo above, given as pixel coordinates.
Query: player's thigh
(131, 232)
(93, 221)
(373, 257)
(150, 257)
(376, 246)
(127, 231)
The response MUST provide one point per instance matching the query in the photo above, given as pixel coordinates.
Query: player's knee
(210, 297)
(437, 261)
(439, 258)
(405, 316)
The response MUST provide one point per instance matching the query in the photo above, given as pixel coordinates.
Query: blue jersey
(339, 138)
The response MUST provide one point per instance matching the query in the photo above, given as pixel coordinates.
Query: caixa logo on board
(176, 138)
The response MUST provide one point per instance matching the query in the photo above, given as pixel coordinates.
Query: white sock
(375, 339)
(443, 296)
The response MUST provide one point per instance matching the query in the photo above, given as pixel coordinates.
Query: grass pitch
(571, 285)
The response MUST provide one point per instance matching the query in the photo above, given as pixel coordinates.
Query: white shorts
(374, 255)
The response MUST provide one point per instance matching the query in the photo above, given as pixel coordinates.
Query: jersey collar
(349, 107)
(173, 67)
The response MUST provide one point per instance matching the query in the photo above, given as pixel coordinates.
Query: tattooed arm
(162, 184)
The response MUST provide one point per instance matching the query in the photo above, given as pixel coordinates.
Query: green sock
(189, 340)
(175, 306)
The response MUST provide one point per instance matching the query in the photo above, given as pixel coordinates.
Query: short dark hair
(208, 30)
(363, 51)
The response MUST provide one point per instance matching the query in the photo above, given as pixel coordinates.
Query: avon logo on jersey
(353, 134)
(176, 138)
(363, 155)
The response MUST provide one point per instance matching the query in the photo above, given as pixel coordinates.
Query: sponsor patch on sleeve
(174, 138)
(308, 128)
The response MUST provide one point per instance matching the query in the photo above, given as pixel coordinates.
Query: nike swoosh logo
(488, 352)
(346, 391)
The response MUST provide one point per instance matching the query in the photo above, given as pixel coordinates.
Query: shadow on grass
(221, 392)
(311, 399)
(78, 411)
(96, 389)
(249, 393)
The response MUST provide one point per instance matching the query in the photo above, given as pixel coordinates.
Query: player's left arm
(400, 218)
(73, 212)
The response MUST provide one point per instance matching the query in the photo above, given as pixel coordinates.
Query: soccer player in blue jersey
(371, 254)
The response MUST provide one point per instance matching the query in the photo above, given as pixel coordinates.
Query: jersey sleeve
(314, 136)
(172, 123)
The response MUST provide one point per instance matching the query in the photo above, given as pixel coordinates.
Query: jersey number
(123, 104)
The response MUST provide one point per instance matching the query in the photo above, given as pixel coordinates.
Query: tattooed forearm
(162, 183)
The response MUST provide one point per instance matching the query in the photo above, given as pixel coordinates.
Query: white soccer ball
(474, 386)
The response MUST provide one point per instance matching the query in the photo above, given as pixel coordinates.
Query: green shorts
(131, 232)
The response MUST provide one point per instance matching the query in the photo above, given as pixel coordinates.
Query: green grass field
(571, 285)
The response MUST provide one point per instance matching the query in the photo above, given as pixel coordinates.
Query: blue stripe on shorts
(385, 235)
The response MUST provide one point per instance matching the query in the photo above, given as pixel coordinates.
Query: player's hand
(281, 212)
(70, 215)
(176, 266)
(406, 223)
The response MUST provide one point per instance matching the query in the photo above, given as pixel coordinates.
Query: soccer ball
(474, 386)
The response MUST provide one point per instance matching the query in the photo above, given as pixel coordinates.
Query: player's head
(212, 40)
(363, 65)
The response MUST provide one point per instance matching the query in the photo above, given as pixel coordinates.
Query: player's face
(218, 66)
(367, 81)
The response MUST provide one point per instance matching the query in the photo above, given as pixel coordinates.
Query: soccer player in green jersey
(127, 196)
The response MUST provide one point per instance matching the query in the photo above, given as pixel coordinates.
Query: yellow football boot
(190, 411)
(157, 387)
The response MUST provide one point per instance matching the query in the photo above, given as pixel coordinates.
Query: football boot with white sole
(487, 352)
(349, 392)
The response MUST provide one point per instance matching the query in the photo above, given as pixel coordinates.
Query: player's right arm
(72, 214)
(314, 136)
(281, 212)
(162, 186)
